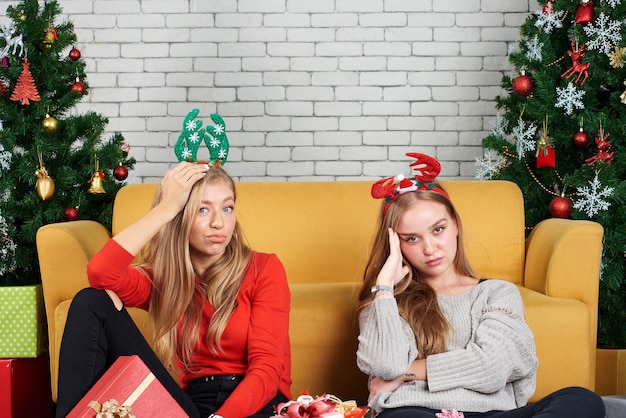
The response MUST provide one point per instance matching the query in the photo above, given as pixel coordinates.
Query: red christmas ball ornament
(584, 13)
(560, 207)
(74, 54)
(120, 172)
(581, 139)
(71, 214)
(523, 85)
(78, 87)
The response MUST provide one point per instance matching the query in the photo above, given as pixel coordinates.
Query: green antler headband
(193, 135)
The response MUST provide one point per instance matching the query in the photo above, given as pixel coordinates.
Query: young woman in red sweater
(219, 310)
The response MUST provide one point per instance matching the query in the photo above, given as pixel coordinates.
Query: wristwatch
(381, 288)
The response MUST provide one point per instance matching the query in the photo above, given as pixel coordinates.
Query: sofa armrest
(563, 259)
(64, 249)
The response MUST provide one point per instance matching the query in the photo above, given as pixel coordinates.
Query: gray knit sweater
(490, 362)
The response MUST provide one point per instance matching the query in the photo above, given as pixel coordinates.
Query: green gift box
(22, 324)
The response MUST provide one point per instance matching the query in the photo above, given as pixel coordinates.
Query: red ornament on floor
(560, 207)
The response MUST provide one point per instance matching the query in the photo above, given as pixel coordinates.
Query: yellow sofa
(322, 230)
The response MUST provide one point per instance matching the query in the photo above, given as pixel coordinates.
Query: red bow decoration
(426, 170)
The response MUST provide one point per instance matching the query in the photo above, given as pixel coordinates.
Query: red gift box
(129, 382)
(25, 387)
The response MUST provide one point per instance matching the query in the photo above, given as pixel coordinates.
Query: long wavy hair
(417, 301)
(178, 295)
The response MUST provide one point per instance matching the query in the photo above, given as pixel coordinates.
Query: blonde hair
(417, 301)
(178, 296)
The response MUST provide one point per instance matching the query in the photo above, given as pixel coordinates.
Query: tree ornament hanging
(71, 213)
(25, 89)
(49, 37)
(545, 149)
(78, 87)
(616, 58)
(45, 184)
(577, 53)
(49, 124)
(581, 139)
(96, 181)
(584, 12)
(603, 154)
(560, 207)
(120, 172)
(74, 54)
(523, 85)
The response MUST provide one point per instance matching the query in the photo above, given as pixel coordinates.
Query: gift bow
(325, 406)
(449, 414)
(111, 409)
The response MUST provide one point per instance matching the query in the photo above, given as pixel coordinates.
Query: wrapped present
(25, 388)
(324, 406)
(127, 389)
(22, 322)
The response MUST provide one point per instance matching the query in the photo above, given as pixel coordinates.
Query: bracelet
(215, 416)
(381, 288)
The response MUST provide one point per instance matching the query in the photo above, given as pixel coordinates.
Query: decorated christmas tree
(55, 164)
(560, 132)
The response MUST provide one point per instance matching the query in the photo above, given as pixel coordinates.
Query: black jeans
(96, 334)
(572, 402)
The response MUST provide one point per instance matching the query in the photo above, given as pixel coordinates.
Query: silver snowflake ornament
(534, 49)
(489, 164)
(550, 20)
(604, 34)
(524, 137)
(591, 198)
(569, 98)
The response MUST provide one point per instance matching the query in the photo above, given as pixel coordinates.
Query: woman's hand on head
(393, 271)
(177, 183)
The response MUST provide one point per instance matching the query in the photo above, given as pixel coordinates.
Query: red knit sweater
(255, 341)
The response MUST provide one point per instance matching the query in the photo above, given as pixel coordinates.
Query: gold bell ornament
(45, 184)
(96, 181)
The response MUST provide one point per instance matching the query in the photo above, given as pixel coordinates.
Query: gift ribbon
(112, 408)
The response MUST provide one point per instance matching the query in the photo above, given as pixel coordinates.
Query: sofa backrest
(322, 231)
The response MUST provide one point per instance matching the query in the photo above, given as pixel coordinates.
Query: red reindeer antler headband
(426, 170)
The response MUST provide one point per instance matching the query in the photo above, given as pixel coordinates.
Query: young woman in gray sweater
(435, 339)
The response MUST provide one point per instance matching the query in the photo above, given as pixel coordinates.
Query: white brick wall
(309, 89)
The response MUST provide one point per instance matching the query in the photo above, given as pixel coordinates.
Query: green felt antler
(188, 142)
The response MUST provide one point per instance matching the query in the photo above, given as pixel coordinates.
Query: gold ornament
(622, 97)
(616, 58)
(49, 124)
(45, 184)
(96, 181)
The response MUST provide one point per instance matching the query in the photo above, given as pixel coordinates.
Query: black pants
(96, 334)
(572, 402)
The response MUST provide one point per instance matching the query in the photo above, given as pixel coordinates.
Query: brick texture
(309, 89)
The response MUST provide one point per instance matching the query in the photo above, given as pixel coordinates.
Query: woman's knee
(585, 400)
(88, 298)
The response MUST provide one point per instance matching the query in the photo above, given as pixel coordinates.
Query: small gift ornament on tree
(545, 149)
